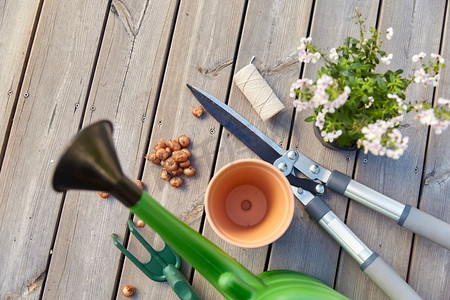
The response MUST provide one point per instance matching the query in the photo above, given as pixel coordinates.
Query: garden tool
(307, 191)
(91, 163)
(163, 265)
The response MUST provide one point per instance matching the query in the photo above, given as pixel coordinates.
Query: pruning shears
(308, 191)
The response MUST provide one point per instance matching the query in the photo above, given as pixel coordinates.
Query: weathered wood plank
(306, 247)
(57, 77)
(124, 90)
(16, 24)
(201, 54)
(429, 272)
(412, 33)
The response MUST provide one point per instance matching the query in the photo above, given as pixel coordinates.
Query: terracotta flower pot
(249, 203)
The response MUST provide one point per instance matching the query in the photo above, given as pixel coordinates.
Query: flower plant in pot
(354, 106)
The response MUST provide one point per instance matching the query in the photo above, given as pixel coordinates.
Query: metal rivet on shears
(293, 155)
(314, 169)
(282, 167)
(300, 191)
(320, 189)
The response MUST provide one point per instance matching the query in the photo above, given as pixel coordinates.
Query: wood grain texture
(201, 54)
(124, 90)
(133, 71)
(57, 77)
(430, 264)
(17, 19)
(395, 178)
(306, 247)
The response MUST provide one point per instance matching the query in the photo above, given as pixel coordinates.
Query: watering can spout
(91, 163)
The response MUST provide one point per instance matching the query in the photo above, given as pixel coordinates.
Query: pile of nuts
(174, 157)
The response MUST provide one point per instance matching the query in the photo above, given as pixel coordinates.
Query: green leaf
(355, 66)
(310, 119)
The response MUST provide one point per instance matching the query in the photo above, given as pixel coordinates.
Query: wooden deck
(66, 64)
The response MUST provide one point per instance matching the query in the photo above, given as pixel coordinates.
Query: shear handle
(409, 217)
(392, 284)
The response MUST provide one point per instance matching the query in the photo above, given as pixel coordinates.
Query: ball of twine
(258, 92)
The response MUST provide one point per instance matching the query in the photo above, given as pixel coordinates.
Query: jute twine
(258, 92)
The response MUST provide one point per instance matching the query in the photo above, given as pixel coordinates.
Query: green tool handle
(199, 252)
(179, 284)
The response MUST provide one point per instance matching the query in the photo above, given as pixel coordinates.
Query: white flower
(315, 57)
(375, 141)
(420, 76)
(389, 33)
(418, 57)
(303, 56)
(333, 54)
(340, 100)
(443, 101)
(303, 42)
(435, 80)
(320, 119)
(331, 136)
(387, 59)
(371, 101)
(440, 126)
(402, 106)
(426, 117)
(437, 57)
(299, 84)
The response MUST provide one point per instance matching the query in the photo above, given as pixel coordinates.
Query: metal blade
(251, 136)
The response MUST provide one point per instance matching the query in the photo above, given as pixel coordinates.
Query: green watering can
(91, 163)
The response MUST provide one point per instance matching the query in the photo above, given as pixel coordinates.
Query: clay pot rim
(286, 221)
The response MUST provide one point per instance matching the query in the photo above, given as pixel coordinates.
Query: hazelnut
(169, 150)
(198, 111)
(189, 172)
(176, 181)
(179, 156)
(184, 141)
(152, 157)
(185, 164)
(140, 223)
(186, 150)
(165, 175)
(174, 145)
(128, 290)
(139, 184)
(160, 144)
(170, 164)
(103, 194)
(162, 154)
(176, 172)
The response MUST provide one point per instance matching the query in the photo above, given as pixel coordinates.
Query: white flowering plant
(354, 106)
